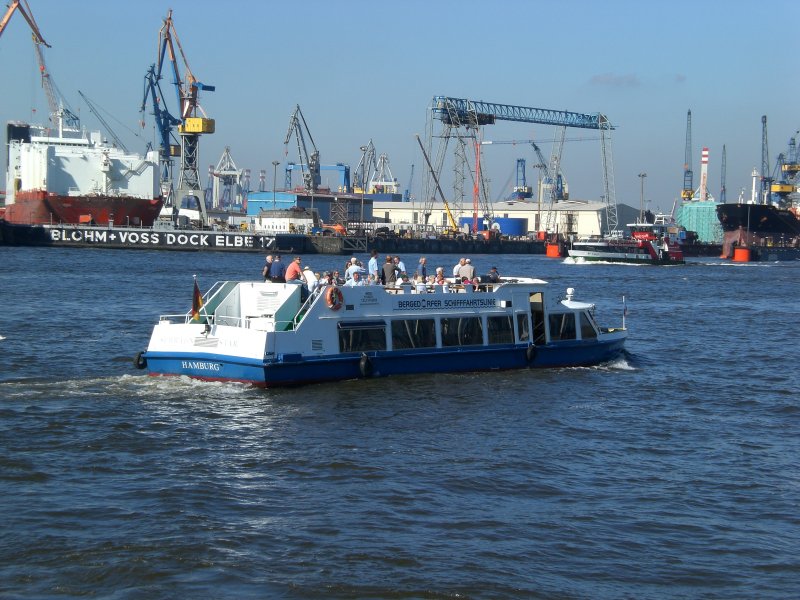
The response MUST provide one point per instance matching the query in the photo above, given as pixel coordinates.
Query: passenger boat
(648, 244)
(265, 333)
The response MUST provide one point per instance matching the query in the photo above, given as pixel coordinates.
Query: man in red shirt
(294, 270)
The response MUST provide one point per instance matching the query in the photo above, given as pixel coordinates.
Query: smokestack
(704, 175)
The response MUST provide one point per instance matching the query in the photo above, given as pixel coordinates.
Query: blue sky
(364, 70)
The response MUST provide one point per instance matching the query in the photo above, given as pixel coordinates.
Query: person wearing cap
(311, 279)
(466, 270)
(492, 276)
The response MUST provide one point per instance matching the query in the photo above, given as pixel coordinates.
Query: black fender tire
(530, 354)
(140, 362)
(365, 366)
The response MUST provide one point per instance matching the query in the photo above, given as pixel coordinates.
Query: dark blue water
(672, 473)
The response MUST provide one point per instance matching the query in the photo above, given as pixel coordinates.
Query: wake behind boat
(265, 334)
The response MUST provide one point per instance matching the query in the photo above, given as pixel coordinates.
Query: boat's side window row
(462, 331)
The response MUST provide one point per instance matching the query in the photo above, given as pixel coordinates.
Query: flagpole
(624, 311)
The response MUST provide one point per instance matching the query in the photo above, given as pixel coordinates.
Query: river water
(671, 473)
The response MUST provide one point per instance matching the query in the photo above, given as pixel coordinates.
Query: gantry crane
(192, 123)
(455, 113)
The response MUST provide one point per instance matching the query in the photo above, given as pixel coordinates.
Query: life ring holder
(334, 298)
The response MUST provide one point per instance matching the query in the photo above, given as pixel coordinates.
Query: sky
(367, 70)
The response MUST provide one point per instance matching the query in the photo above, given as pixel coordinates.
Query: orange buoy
(553, 250)
(741, 255)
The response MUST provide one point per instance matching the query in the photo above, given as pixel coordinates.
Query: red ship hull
(40, 207)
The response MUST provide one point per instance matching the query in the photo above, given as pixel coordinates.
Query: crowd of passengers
(390, 272)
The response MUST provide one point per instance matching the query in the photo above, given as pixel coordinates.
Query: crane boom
(17, 5)
(450, 218)
(100, 118)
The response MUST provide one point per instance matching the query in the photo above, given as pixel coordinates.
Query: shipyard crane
(688, 184)
(193, 119)
(22, 7)
(766, 177)
(59, 114)
(96, 112)
(723, 172)
(227, 181)
(367, 165)
(450, 218)
(471, 114)
(309, 163)
(165, 124)
(408, 196)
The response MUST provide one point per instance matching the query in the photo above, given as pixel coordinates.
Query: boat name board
(145, 239)
(201, 365)
(446, 303)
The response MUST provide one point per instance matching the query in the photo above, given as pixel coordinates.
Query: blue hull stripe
(278, 372)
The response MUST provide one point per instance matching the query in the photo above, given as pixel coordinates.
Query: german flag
(197, 302)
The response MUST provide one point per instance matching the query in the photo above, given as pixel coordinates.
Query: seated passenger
(355, 280)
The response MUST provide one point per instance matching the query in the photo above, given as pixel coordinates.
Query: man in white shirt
(355, 280)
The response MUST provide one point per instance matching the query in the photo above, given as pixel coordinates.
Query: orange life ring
(334, 298)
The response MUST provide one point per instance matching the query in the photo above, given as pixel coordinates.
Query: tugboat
(269, 334)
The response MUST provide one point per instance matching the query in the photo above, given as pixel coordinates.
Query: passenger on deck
(420, 285)
(399, 264)
(355, 280)
(492, 276)
(336, 278)
(293, 272)
(310, 278)
(372, 268)
(422, 268)
(389, 272)
(278, 271)
(467, 270)
(355, 267)
(461, 262)
(265, 272)
(439, 277)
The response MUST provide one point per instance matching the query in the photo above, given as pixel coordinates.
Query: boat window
(537, 316)
(522, 327)
(587, 329)
(362, 336)
(562, 327)
(462, 331)
(500, 329)
(413, 333)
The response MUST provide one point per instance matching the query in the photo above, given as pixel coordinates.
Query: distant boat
(64, 176)
(648, 244)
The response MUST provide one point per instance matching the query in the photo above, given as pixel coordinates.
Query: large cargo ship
(761, 220)
(66, 176)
